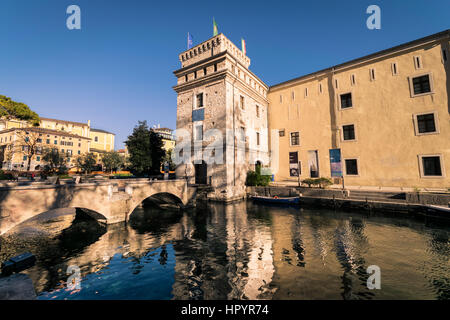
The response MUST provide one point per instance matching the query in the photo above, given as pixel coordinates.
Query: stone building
(221, 114)
(380, 120)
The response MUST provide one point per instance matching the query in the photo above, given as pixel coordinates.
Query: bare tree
(28, 143)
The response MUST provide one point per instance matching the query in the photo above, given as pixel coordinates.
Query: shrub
(321, 182)
(324, 182)
(5, 176)
(255, 178)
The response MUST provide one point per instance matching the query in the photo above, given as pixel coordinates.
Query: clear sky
(118, 68)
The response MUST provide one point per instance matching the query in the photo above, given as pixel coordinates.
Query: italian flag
(244, 50)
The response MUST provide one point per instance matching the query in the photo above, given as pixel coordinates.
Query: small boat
(277, 200)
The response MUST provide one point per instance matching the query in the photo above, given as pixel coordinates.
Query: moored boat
(277, 200)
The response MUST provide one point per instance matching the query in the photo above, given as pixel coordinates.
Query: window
(417, 62)
(39, 140)
(281, 133)
(195, 74)
(444, 55)
(257, 111)
(199, 100)
(346, 100)
(320, 88)
(24, 158)
(293, 95)
(348, 132)
(38, 158)
(215, 67)
(351, 167)
(204, 71)
(426, 123)
(48, 141)
(242, 134)
(257, 138)
(295, 138)
(336, 84)
(199, 132)
(96, 139)
(394, 69)
(242, 102)
(79, 152)
(421, 85)
(56, 141)
(431, 166)
(185, 78)
(372, 74)
(306, 92)
(352, 79)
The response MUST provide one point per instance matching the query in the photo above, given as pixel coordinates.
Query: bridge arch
(158, 198)
(53, 213)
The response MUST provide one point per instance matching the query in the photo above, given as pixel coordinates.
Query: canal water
(239, 251)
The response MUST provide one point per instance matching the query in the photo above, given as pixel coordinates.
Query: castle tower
(219, 96)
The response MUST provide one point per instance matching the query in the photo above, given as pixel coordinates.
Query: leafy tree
(12, 109)
(112, 161)
(157, 152)
(145, 149)
(86, 162)
(56, 162)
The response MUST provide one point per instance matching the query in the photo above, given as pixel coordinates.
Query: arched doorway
(201, 172)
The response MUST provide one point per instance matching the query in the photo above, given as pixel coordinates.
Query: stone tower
(221, 112)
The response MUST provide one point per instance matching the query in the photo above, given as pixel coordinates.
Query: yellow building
(386, 115)
(101, 141)
(93, 140)
(15, 143)
(167, 137)
(13, 123)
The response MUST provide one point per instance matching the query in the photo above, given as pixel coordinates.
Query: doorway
(201, 171)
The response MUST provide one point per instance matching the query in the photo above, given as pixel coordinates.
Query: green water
(239, 251)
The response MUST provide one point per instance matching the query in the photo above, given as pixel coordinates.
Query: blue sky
(118, 68)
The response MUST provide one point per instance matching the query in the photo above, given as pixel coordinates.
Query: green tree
(112, 161)
(56, 162)
(157, 152)
(145, 149)
(86, 162)
(18, 110)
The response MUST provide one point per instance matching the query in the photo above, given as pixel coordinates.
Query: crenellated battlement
(212, 47)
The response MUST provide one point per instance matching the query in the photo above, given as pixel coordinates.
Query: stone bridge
(107, 201)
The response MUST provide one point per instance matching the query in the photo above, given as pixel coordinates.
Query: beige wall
(105, 141)
(11, 141)
(387, 146)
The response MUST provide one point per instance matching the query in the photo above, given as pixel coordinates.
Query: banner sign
(335, 162)
(293, 164)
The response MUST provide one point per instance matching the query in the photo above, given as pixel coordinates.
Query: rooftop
(45, 131)
(100, 130)
(65, 121)
(378, 54)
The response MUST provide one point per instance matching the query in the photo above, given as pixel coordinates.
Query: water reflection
(239, 251)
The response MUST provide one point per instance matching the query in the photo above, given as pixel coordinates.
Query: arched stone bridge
(109, 201)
